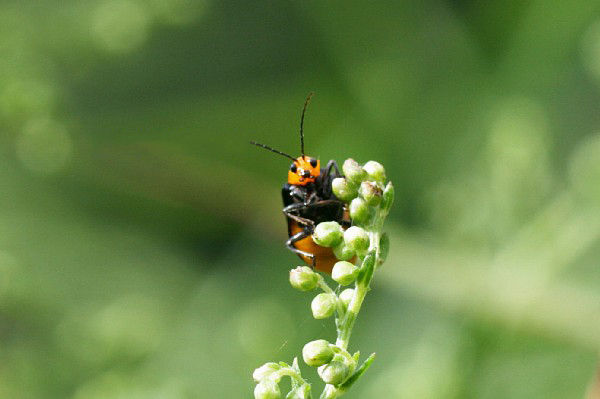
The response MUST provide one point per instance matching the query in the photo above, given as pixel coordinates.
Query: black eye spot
(293, 168)
(313, 163)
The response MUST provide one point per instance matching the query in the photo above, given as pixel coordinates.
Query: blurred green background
(141, 236)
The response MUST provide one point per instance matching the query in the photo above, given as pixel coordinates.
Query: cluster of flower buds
(334, 364)
(268, 381)
(325, 304)
(270, 374)
(369, 200)
(363, 187)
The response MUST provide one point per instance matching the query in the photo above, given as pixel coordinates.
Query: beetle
(309, 200)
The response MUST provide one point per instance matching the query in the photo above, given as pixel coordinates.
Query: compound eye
(313, 163)
(293, 168)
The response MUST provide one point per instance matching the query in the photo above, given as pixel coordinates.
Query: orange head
(304, 170)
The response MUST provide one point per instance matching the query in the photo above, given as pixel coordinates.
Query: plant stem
(338, 304)
(290, 372)
(360, 291)
(345, 322)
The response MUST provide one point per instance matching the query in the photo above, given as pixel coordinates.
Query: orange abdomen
(325, 259)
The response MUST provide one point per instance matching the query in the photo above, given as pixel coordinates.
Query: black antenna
(302, 122)
(266, 147)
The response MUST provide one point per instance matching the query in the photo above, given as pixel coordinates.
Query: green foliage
(141, 238)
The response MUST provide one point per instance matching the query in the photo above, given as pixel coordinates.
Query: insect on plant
(335, 225)
(309, 200)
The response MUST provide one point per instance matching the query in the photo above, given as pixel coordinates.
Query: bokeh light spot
(591, 50)
(255, 325)
(120, 26)
(130, 326)
(518, 134)
(520, 176)
(8, 264)
(22, 99)
(126, 329)
(429, 370)
(584, 169)
(113, 385)
(44, 146)
(179, 12)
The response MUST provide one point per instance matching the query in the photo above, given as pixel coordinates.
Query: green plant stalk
(345, 322)
(293, 374)
(363, 281)
(339, 368)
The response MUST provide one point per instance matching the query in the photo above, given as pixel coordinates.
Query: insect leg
(289, 211)
(332, 165)
(325, 202)
(297, 237)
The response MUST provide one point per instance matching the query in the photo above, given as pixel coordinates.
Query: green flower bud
(328, 234)
(370, 192)
(301, 392)
(344, 272)
(360, 211)
(375, 170)
(265, 371)
(334, 373)
(267, 389)
(317, 353)
(357, 239)
(384, 248)
(342, 252)
(303, 278)
(388, 197)
(353, 171)
(323, 305)
(346, 296)
(343, 189)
